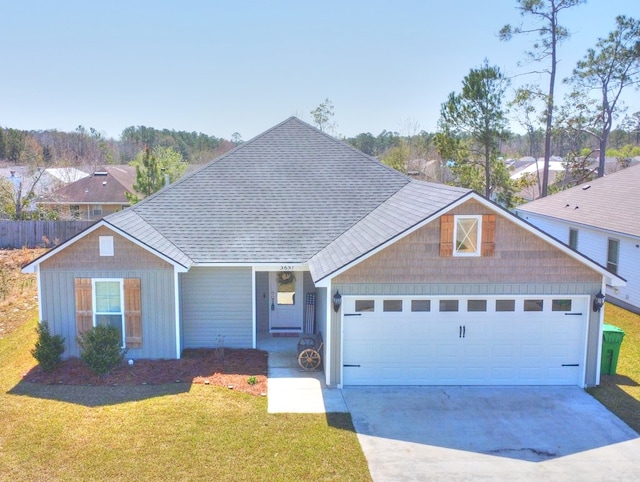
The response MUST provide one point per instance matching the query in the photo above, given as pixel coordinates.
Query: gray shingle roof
(610, 203)
(414, 203)
(280, 197)
(132, 224)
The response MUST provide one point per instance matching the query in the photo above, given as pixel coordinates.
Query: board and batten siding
(82, 259)
(158, 308)
(593, 243)
(217, 307)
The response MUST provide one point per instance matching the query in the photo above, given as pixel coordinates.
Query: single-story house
(294, 231)
(94, 196)
(599, 219)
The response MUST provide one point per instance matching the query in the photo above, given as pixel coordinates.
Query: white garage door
(533, 340)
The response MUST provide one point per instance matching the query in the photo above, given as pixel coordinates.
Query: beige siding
(158, 308)
(520, 257)
(217, 308)
(85, 252)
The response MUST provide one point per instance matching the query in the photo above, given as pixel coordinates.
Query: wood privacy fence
(30, 234)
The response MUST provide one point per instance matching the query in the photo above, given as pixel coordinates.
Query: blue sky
(221, 67)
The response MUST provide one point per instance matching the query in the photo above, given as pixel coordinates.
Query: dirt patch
(18, 293)
(217, 367)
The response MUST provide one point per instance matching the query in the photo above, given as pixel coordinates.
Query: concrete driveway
(491, 433)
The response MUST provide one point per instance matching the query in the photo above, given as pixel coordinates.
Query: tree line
(89, 147)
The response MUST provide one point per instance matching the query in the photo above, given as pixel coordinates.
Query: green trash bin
(611, 340)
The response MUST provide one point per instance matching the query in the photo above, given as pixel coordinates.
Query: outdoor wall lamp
(337, 301)
(598, 301)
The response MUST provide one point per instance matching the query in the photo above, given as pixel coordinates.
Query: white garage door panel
(497, 348)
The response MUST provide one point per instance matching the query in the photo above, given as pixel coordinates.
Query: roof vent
(576, 207)
(104, 183)
(584, 188)
(567, 205)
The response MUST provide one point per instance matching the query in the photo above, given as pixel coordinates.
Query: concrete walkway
(293, 390)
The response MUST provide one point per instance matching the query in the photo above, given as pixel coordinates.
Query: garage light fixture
(337, 301)
(598, 302)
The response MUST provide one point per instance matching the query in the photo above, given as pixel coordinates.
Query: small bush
(101, 348)
(252, 380)
(48, 349)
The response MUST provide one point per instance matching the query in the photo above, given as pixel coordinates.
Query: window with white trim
(573, 239)
(467, 235)
(613, 255)
(108, 302)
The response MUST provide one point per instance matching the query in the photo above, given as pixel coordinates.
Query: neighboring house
(93, 197)
(54, 178)
(600, 220)
(410, 283)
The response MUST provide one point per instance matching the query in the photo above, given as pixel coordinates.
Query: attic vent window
(100, 173)
(106, 245)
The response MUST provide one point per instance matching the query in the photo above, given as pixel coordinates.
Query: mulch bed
(218, 367)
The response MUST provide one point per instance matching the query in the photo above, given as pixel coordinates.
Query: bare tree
(544, 19)
(611, 67)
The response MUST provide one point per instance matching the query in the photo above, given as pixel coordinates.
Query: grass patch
(201, 433)
(620, 393)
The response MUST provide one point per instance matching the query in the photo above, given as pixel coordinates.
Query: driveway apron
(491, 433)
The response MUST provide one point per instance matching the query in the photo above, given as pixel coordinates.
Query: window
(365, 305)
(573, 239)
(448, 305)
(74, 211)
(108, 306)
(476, 305)
(96, 210)
(110, 301)
(471, 235)
(420, 305)
(392, 305)
(561, 305)
(613, 253)
(533, 305)
(466, 235)
(286, 288)
(106, 245)
(505, 305)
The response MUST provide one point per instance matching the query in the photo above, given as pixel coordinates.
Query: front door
(285, 301)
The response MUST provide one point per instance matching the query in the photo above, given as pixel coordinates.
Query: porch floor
(292, 389)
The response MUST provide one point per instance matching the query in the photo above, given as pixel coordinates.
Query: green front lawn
(170, 432)
(620, 393)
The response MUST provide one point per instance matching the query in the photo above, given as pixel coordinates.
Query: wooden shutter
(84, 305)
(132, 313)
(446, 235)
(488, 234)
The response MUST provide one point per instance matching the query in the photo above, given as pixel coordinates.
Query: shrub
(252, 380)
(101, 348)
(48, 349)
